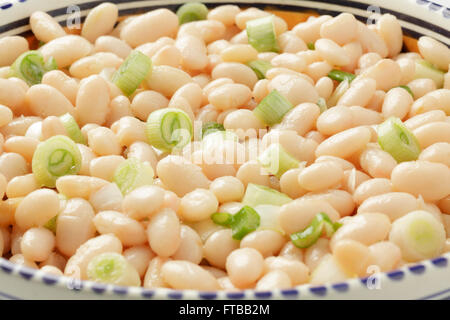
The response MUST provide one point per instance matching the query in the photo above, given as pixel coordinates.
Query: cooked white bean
(386, 255)
(295, 89)
(143, 202)
(37, 244)
(11, 48)
(238, 72)
(376, 162)
(129, 231)
(107, 198)
(77, 265)
(112, 44)
(167, 80)
(104, 167)
(370, 188)
(37, 208)
(393, 204)
(391, 32)
(367, 228)
(79, 186)
(290, 221)
(432, 133)
(163, 233)
(353, 256)
(92, 101)
(150, 27)
(397, 103)
(332, 29)
(100, 21)
(245, 266)
(385, 72)
(296, 270)
(332, 52)
(437, 152)
(267, 242)
(320, 176)
(66, 50)
(435, 52)
(230, 96)
(423, 181)
(345, 143)
(187, 275)
(191, 246)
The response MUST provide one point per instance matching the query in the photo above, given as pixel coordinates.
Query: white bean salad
(222, 149)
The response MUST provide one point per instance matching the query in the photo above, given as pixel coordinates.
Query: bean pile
(359, 131)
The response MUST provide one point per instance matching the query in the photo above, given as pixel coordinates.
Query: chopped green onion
(272, 108)
(395, 138)
(320, 223)
(56, 157)
(210, 127)
(31, 67)
(169, 128)
(132, 72)
(407, 89)
(260, 67)
(51, 64)
(276, 160)
(425, 69)
(113, 268)
(222, 219)
(419, 235)
(340, 75)
(261, 34)
(311, 46)
(242, 223)
(51, 224)
(72, 128)
(192, 11)
(132, 174)
(322, 105)
(257, 195)
(268, 215)
(245, 221)
(338, 93)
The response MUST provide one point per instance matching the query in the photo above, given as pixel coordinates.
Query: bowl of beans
(172, 149)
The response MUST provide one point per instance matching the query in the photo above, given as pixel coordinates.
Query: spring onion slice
(56, 157)
(340, 75)
(425, 69)
(260, 67)
(169, 129)
(136, 67)
(321, 223)
(30, 67)
(51, 224)
(338, 93)
(210, 127)
(272, 108)
(257, 195)
(261, 34)
(72, 128)
(51, 64)
(222, 219)
(192, 11)
(112, 268)
(132, 174)
(395, 138)
(311, 46)
(407, 89)
(322, 105)
(276, 160)
(244, 221)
